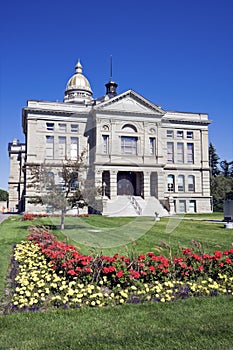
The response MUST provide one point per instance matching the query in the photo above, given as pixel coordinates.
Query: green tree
(213, 161)
(226, 168)
(220, 186)
(69, 192)
(3, 195)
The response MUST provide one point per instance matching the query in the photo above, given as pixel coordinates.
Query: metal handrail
(136, 205)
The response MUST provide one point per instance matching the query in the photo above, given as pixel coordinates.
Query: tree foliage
(63, 186)
(213, 161)
(3, 195)
(219, 187)
(221, 179)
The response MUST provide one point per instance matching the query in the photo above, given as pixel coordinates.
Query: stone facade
(16, 183)
(135, 148)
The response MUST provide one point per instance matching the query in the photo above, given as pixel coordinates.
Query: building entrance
(126, 183)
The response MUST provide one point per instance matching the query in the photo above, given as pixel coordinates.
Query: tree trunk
(62, 220)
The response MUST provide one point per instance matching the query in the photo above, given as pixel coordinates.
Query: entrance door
(126, 183)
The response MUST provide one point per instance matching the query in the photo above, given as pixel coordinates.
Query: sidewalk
(3, 217)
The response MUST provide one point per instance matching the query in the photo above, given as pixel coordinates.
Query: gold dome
(78, 88)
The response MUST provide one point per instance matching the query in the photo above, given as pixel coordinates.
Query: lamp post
(171, 202)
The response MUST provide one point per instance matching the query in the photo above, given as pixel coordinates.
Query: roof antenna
(111, 86)
(110, 67)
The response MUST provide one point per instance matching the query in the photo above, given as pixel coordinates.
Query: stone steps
(133, 206)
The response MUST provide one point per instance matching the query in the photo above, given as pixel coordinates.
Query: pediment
(129, 102)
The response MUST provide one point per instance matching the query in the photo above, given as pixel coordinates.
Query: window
(191, 183)
(105, 139)
(182, 206)
(49, 151)
(74, 148)
(49, 180)
(74, 182)
(62, 146)
(180, 134)
(170, 152)
(49, 209)
(152, 146)
(190, 153)
(129, 128)
(62, 127)
(169, 133)
(50, 126)
(61, 181)
(129, 145)
(181, 183)
(192, 206)
(74, 128)
(180, 152)
(171, 183)
(189, 135)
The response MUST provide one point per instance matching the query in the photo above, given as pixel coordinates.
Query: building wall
(16, 182)
(127, 116)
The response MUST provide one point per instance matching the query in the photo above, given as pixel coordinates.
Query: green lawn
(198, 323)
(109, 235)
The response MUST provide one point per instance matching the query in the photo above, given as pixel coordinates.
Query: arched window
(191, 183)
(171, 183)
(181, 183)
(129, 128)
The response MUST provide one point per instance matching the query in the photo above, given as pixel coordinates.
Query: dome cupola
(78, 89)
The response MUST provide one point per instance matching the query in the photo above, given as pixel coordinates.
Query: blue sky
(176, 53)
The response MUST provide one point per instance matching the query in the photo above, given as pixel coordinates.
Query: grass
(198, 323)
(189, 324)
(108, 235)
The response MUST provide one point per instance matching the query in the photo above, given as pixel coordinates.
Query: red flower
(105, 270)
(186, 251)
(152, 268)
(228, 261)
(218, 254)
(120, 273)
(134, 274)
(141, 257)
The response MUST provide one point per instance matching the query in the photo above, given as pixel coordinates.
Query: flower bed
(53, 273)
(30, 216)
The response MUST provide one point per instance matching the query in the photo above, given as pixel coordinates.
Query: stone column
(146, 184)
(160, 184)
(113, 184)
(98, 178)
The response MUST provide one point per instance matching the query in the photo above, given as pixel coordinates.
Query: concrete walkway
(3, 217)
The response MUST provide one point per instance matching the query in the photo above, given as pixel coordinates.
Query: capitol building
(146, 159)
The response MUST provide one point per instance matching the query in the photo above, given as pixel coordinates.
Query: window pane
(105, 139)
(190, 153)
(170, 183)
(192, 206)
(182, 206)
(181, 183)
(50, 126)
(189, 135)
(62, 127)
(180, 134)
(191, 183)
(169, 133)
(129, 145)
(74, 127)
(73, 148)
(170, 152)
(180, 153)
(152, 146)
(62, 146)
(49, 147)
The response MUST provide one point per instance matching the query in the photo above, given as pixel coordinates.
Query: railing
(136, 205)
